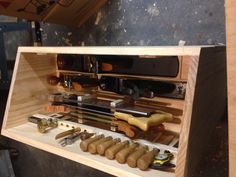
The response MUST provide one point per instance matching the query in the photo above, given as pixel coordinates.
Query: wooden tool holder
(201, 68)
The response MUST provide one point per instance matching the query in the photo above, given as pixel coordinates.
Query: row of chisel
(134, 154)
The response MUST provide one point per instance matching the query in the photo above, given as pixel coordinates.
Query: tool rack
(201, 67)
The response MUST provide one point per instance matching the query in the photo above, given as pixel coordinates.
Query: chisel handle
(144, 161)
(113, 150)
(84, 144)
(133, 158)
(122, 155)
(101, 148)
(92, 147)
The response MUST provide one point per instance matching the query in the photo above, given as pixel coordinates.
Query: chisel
(101, 148)
(84, 144)
(122, 155)
(113, 150)
(146, 160)
(133, 158)
(92, 147)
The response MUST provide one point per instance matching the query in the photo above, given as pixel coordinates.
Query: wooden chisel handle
(101, 148)
(133, 158)
(92, 147)
(144, 161)
(113, 150)
(84, 144)
(122, 155)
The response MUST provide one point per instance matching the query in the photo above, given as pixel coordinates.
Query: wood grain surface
(230, 10)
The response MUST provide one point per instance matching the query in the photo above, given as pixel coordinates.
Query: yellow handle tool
(144, 123)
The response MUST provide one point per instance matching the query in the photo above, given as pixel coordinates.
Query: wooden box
(202, 68)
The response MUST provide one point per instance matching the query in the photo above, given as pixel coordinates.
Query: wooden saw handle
(122, 155)
(113, 150)
(133, 158)
(129, 130)
(145, 122)
(144, 161)
(92, 147)
(101, 148)
(84, 144)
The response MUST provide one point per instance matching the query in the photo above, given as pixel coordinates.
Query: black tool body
(161, 66)
(137, 88)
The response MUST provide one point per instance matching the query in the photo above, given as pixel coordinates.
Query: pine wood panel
(29, 79)
(186, 121)
(185, 67)
(230, 9)
(121, 50)
(205, 105)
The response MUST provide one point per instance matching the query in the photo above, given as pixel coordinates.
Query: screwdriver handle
(122, 155)
(113, 150)
(144, 162)
(101, 148)
(84, 144)
(133, 158)
(92, 147)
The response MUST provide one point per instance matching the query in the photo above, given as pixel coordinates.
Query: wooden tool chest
(198, 74)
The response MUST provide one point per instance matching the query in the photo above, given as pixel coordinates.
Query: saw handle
(144, 123)
(129, 130)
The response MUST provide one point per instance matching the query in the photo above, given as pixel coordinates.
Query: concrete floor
(146, 22)
(135, 22)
